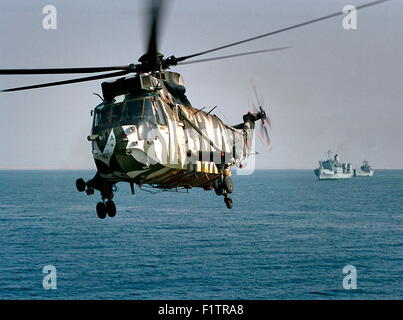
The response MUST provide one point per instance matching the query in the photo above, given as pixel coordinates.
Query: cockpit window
(117, 112)
(101, 116)
(140, 109)
(138, 112)
(135, 109)
(141, 114)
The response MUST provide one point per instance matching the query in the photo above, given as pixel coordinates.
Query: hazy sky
(335, 89)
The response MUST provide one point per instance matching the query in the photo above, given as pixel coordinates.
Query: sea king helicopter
(146, 132)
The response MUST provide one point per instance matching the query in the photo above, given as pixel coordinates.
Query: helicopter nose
(129, 138)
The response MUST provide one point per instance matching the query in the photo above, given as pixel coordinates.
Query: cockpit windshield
(117, 112)
(138, 112)
(140, 109)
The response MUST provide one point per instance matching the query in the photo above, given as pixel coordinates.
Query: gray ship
(364, 171)
(332, 169)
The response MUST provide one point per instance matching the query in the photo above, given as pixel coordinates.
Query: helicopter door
(162, 149)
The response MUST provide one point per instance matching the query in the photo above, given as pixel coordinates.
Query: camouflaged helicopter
(146, 131)
(154, 136)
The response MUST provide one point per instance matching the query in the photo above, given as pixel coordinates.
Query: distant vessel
(331, 169)
(364, 171)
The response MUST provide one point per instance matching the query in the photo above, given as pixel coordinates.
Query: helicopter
(146, 132)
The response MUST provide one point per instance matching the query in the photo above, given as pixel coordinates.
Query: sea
(289, 236)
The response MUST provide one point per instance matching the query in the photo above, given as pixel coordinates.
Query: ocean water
(287, 237)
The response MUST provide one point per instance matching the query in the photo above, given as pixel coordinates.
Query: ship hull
(331, 175)
(359, 173)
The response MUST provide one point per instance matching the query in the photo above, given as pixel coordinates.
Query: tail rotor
(265, 120)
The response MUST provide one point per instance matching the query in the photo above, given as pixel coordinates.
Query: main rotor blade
(63, 70)
(233, 55)
(58, 83)
(370, 4)
(155, 13)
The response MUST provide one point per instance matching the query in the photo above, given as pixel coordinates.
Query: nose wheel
(81, 185)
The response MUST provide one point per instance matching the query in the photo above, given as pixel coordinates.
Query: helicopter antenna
(199, 110)
(98, 95)
(212, 110)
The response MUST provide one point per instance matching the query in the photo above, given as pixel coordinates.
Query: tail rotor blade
(265, 121)
(256, 95)
(269, 122)
(254, 108)
(265, 137)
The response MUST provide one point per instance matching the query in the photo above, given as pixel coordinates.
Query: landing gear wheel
(101, 210)
(228, 185)
(110, 208)
(80, 185)
(218, 187)
(228, 202)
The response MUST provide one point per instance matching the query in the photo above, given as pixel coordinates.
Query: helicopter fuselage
(154, 136)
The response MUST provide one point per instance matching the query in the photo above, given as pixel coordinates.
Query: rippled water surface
(287, 237)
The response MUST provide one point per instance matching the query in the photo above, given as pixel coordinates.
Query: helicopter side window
(101, 117)
(147, 125)
(117, 110)
(159, 113)
(148, 112)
